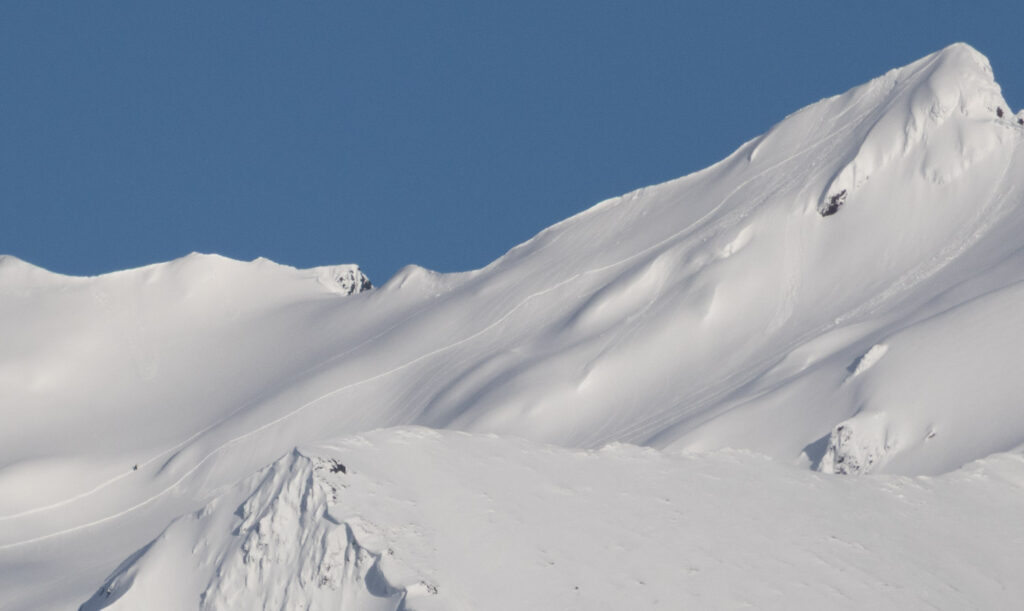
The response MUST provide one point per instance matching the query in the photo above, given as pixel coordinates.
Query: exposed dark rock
(351, 280)
(833, 204)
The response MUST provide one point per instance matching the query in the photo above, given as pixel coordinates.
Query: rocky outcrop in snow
(857, 446)
(344, 279)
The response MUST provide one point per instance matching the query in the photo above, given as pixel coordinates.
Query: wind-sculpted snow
(428, 520)
(944, 113)
(719, 310)
(945, 391)
(277, 549)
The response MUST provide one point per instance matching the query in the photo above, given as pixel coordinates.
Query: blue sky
(387, 133)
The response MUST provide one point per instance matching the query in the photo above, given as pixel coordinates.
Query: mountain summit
(841, 294)
(937, 107)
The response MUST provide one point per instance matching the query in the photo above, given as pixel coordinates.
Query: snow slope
(838, 294)
(541, 527)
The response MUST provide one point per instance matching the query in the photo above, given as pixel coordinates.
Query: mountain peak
(719, 310)
(962, 70)
(939, 115)
(962, 51)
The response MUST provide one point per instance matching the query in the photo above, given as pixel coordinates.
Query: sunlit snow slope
(541, 527)
(842, 293)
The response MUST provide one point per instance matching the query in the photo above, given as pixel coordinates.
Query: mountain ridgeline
(841, 294)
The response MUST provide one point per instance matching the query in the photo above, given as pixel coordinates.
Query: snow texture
(415, 525)
(841, 295)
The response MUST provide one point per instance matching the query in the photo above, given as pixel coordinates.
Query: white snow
(413, 524)
(720, 310)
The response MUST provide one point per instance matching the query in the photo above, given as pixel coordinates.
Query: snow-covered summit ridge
(719, 310)
(196, 267)
(948, 103)
(935, 117)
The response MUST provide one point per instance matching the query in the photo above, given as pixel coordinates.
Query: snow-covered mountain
(842, 294)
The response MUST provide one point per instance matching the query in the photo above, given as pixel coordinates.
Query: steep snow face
(933, 112)
(701, 286)
(429, 520)
(723, 309)
(276, 549)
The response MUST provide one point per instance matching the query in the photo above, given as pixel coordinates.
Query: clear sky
(386, 133)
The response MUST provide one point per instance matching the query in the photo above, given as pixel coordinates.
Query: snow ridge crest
(946, 108)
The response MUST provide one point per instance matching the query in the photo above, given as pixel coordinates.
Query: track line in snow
(248, 404)
(675, 236)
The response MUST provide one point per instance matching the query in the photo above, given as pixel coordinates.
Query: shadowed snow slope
(841, 293)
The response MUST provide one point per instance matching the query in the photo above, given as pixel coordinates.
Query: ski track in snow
(640, 321)
(645, 428)
(689, 229)
(182, 444)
